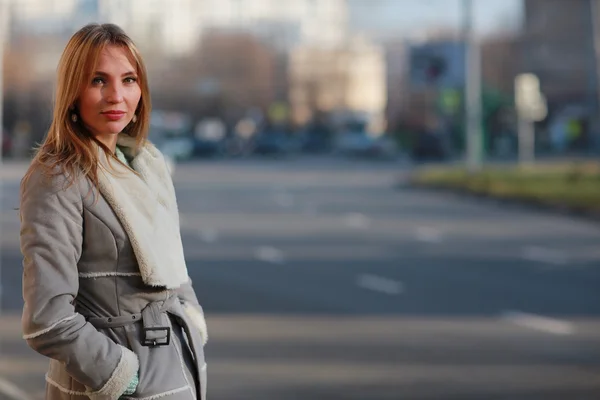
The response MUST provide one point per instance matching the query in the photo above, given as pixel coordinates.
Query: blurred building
(176, 26)
(176, 31)
(558, 48)
(559, 42)
(166, 27)
(398, 94)
(426, 77)
(349, 78)
(288, 23)
(231, 73)
(31, 10)
(39, 30)
(56, 17)
(421, 72)
(501, 62)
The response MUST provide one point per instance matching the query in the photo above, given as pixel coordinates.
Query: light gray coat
(96, 259)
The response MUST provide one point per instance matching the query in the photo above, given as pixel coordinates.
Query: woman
(107, 294)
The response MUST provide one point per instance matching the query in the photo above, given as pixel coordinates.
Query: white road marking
(379, 284)
(12, 391)
(544, 255)
(357, 221)
(284, 199)
(539, 323)
(270, 255)
(428, 234)
(208, 235)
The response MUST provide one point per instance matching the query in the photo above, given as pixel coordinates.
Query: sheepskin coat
(101, 265)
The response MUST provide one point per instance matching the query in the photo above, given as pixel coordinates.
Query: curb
(530, 204)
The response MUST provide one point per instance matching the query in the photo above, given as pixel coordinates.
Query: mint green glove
(132, 386)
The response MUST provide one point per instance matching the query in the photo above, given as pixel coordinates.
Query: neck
(109, 141)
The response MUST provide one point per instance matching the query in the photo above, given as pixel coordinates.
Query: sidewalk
(22, 370)
(13, 170)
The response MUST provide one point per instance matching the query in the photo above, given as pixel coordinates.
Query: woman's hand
(132, 386)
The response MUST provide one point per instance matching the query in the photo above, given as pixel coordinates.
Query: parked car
(271, 143)
(361, 144)
(210, 135)
(208, 148)
(316, 139)
(429, 146)
(179, 148)
(171, 132)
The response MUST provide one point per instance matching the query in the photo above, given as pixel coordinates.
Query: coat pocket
(60, 382)
(161, 371)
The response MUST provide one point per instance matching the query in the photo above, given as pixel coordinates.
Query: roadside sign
(531, 107)
(531, 103)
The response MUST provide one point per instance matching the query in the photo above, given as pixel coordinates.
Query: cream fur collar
(147, 208)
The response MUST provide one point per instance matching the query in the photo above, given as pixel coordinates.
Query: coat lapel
(147, 208)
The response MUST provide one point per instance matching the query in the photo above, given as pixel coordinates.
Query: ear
(75, 104)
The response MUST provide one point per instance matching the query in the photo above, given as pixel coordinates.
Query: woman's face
(109, 101)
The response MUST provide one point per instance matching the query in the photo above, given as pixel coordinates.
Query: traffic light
(434, 69)
(437, 65)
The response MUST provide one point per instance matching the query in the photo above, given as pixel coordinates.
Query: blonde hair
(69, 148)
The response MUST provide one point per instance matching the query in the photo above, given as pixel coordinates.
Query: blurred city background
(304, 134)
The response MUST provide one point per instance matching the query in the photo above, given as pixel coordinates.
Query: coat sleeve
(51, 243)
(193, 309)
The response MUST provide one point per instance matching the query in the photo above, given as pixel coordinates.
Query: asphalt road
(324, 279)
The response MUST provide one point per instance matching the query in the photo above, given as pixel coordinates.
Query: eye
(97, 81)
(131, 79)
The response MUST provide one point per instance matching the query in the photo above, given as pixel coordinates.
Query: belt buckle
(157, 341)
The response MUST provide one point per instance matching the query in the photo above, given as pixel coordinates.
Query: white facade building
(176, 26)
(348, 79)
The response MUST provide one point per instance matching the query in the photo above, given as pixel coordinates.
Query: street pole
(526, 140)
(595, 71)
(4, 19)
(4, 15)
(472, 90)
(4, 33)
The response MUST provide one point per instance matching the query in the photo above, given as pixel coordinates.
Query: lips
(114, 115)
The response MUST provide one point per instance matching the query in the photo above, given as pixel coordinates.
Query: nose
(114, 94)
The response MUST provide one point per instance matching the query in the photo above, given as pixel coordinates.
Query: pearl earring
(74, 117)
(134, 119)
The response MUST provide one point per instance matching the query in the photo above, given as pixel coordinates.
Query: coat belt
(156, 327)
